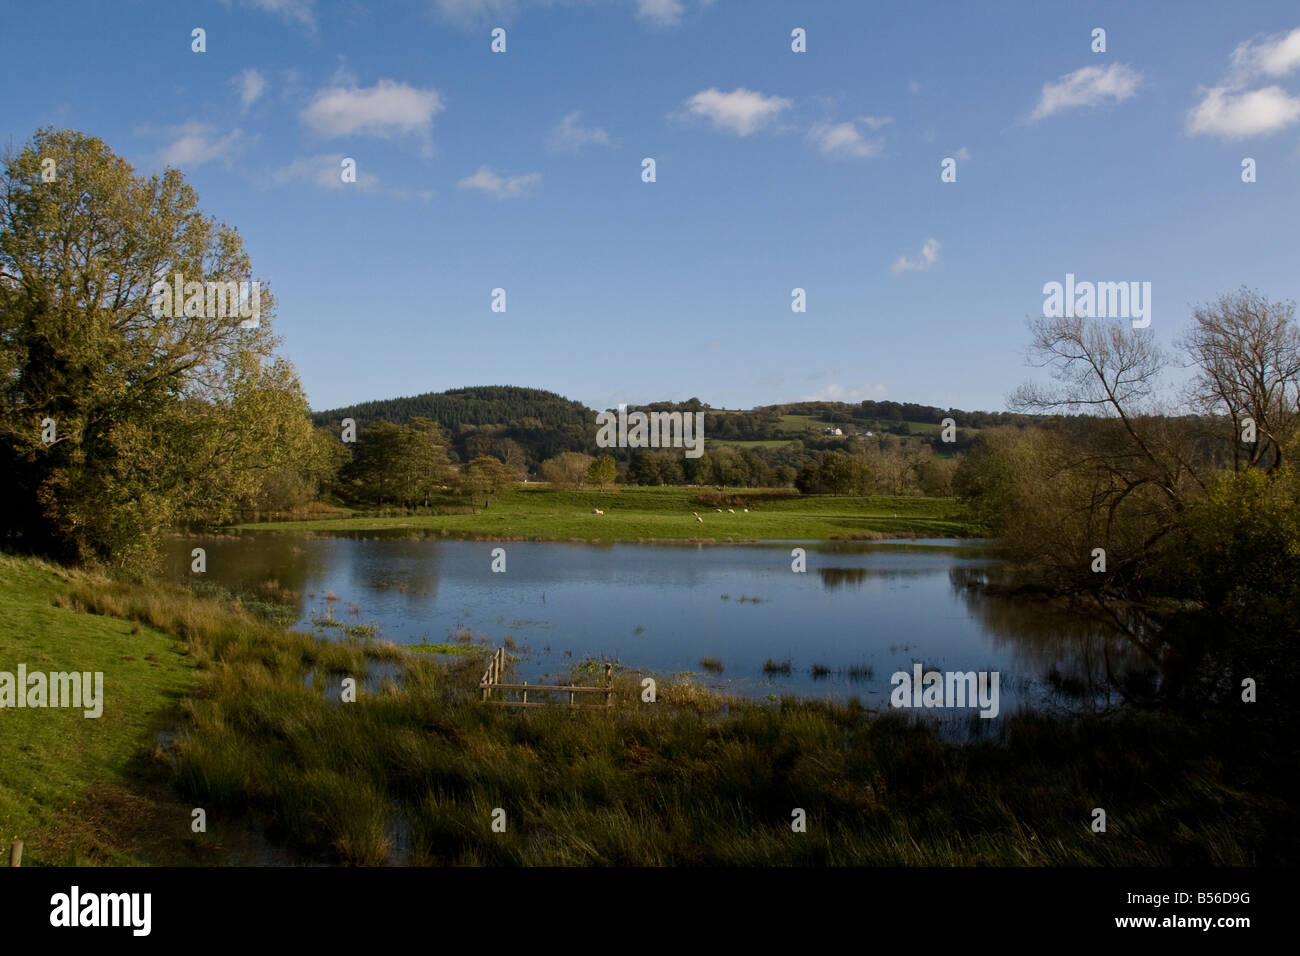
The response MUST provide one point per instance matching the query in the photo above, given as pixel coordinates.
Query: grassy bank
(414, 768)
(77, 789)
(642, 514)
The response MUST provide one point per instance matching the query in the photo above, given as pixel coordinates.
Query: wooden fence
(516, 695)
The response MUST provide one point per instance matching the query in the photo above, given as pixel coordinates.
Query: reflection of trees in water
(243, 563)
(833, 578)
(838, 577)
(408, 565)
(1080, 654)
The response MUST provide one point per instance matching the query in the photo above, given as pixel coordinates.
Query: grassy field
(647, 514)
(757, 443)
(66, 781)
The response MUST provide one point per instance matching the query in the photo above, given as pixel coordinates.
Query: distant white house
(832, 431)
(868, 434)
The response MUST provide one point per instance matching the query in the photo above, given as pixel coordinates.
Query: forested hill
(480, 405)
(526, 426)
(523, 426)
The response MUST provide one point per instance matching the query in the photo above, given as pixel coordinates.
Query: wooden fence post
(16, 853)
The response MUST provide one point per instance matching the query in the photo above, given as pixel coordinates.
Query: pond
(734, 617)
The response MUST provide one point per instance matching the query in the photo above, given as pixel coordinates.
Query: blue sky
(775, 170)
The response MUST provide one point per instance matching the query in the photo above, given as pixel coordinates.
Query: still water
(860, 613)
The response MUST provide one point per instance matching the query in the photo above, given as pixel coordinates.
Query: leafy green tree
(158, 418)
(484, 478)
(426, 459)
(602, 472)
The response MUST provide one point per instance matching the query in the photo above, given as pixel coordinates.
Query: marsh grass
(696, 778)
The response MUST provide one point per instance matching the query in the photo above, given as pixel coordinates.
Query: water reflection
(717, 612)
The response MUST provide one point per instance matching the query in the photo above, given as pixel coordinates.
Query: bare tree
(1112, 371)
(1247, 353)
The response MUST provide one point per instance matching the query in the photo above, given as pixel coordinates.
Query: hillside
(529, 425)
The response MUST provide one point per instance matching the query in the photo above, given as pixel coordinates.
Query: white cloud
(660, 13)
(194, 144)
(386, 109)
(569, 136)
(499, 187)
(963, 154)
(929, 256)
(1275, 55)
(1223, 112)
(1089, 86)
(302, 12)
(1231, 111)
(875, 122)
(842, 139)
(741, 111)
(847, 393)
(913, 86)
(251, 85)
(323, 171)
(476, 14)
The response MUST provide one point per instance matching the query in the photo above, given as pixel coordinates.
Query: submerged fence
(496, 691)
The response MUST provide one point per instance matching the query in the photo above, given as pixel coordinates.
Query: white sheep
(597, 511)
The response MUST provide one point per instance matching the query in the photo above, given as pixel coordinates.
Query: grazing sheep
(699, 519)
(719, 510)
(732, 510)
(597, 511)
(746, 510)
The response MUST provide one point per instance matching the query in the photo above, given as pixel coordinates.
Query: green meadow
(664, 513)
(72, 787)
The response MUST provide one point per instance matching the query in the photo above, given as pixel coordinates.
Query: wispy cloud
(843, 139)
(1275, 55)
(387, 110)
(251, 85)
(500, 187)
(194, 144)
(740, 112)
(1232, 115)
(848, 393)
(475, 14)
(300, 12)
(323, 171)
(928, 258)
(1089, 86)
(1230, 110)
(569, 136)
(660, 13)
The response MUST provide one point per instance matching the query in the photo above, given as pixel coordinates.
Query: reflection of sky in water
(863, 610)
